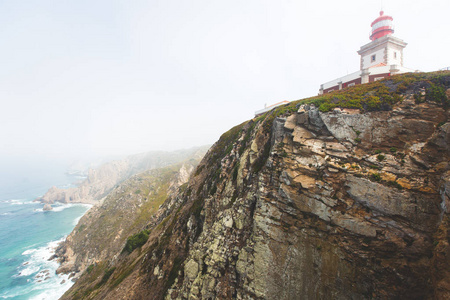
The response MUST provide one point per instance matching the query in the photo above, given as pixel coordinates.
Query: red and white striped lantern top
(381, 26)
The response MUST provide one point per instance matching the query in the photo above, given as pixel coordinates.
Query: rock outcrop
(47, 207)
(324, 198)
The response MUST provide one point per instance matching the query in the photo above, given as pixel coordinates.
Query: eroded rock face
(325, 218)
(103, 231)
(310, 205)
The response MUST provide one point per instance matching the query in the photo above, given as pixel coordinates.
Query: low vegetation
(383, 94)
(136, 240)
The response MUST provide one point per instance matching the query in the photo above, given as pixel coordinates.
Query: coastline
(28, 268)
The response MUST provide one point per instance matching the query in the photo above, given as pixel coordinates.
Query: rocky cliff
(342, 196)
(101, 180)
(103, 231)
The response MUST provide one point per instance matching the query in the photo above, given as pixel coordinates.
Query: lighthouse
(380, 58)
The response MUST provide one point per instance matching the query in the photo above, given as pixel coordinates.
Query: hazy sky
(120, 77)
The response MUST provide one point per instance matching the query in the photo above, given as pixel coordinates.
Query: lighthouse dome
(381, 26)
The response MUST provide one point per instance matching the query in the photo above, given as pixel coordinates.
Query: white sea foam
(54, 289)
(29, 251)
(47, 285)
(75, 222)
(17, 201)
(61, 207)
(28, 271)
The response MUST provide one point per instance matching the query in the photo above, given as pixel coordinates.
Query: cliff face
(326, 198)
(101, 234)
(100, 181)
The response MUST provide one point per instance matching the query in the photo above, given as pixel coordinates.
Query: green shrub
(377, 151)
(136, 241)
(418, 98)
(395, 184)
(89, 269)
(108, 273)
(393, 149)
(380, 157)
(375, 177)
(358, 140)
(436, 93)
(325, 107)
(81, 228)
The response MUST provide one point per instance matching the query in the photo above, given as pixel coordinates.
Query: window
(351, 84)
(395, 54)
(373, 58)
(377, 78)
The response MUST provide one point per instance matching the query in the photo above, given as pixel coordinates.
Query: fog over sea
(29, 235)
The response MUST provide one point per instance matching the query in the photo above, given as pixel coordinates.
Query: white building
(380, 58)
(270, 107)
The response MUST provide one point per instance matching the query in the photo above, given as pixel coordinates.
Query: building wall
(384, 49)
(344, 85)
(331, 89)
(379, 53)
(376, 77)
(351, 83)
(392, 59)
(345, 78)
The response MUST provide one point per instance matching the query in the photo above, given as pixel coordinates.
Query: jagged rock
(47, 207)
(191, 269)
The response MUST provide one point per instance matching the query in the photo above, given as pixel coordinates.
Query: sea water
(29, 235)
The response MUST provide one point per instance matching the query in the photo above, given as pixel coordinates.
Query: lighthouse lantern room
(381, 26)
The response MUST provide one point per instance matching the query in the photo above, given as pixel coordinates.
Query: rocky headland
(101, 180)
(340, 196)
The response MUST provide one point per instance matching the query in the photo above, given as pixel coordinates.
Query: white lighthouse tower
(384, 51)
(380, 58)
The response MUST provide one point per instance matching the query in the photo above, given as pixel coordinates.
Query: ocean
(29, 235)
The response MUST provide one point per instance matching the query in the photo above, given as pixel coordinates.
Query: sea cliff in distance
(101, 180)
(341, 196)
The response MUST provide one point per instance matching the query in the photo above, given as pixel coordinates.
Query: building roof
(378, 65)
(382, 17)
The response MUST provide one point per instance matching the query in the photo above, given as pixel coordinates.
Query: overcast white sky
(88, 77)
